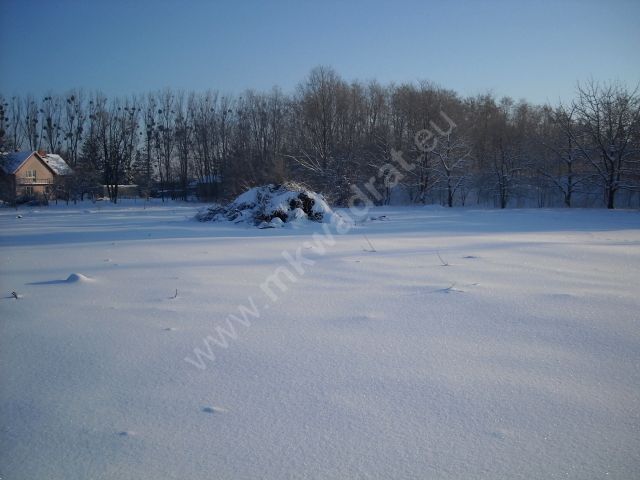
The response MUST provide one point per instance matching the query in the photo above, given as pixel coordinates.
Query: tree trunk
(611, 196)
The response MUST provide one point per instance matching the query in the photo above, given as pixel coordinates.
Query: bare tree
(51, 113)
(608, 136)
(210, 143)
(73, 126)
(183, 144)
(165, 138)
(317, 111)
(117, 134)
(452, 153)
(148, 132)
(13, 118)
(31, 123)
(566, 171)
(505, 154)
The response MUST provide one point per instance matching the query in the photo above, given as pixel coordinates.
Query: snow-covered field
(431, 343)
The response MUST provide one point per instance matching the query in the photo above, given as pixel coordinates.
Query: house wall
(44, 178)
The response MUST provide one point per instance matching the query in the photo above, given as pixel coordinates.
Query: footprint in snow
(126, 433)
(450, 289)
(500, 434)
(170, 329)
(214, 410)
(365, 317)
(560, 296)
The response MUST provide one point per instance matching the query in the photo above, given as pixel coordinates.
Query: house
(29, 174)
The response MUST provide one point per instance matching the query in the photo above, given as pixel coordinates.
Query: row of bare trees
(333, 135)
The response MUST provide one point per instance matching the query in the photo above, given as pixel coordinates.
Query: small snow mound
(272, 206)
(78, 277)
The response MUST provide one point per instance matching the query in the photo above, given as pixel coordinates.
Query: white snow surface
(448, 344)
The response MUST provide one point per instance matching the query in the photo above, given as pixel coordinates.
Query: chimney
(42, 153)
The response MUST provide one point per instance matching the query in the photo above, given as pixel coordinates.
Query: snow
(273, 206)
(77, 277)
(519, 358)
(57, 164)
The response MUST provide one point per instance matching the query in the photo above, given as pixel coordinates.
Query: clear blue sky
(535, 49)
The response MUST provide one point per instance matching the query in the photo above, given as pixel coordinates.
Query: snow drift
(272, 206)
(77, 278)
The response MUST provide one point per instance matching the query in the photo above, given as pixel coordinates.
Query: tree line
(336, 136)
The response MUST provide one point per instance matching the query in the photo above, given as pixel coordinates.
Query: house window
(28, 191)
(31, 174)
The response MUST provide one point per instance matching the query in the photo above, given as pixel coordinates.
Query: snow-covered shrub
(271, 206)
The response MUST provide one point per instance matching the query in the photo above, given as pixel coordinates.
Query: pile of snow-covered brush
(271, 206)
